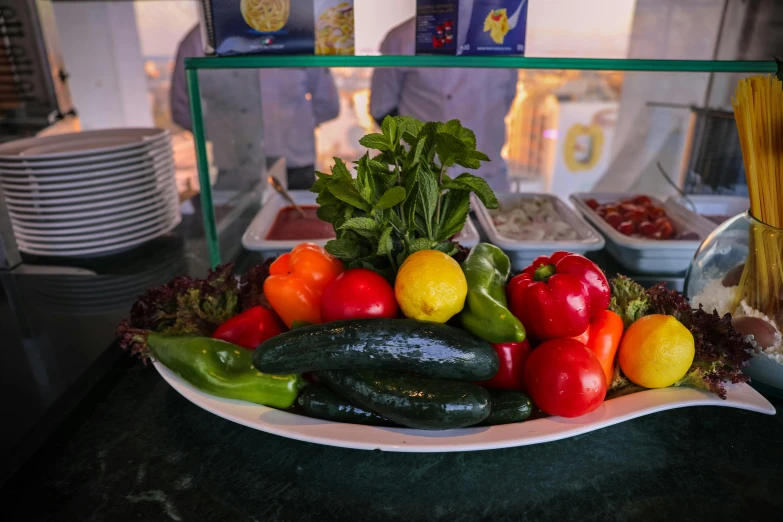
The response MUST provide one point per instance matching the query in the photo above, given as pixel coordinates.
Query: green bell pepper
(486, 314)
(223, 369)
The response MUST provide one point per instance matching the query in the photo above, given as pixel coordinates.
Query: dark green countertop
(136, 450)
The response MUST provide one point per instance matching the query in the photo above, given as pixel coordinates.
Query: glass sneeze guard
(194, 65)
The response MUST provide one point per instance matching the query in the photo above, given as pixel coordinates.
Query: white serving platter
(548, 429)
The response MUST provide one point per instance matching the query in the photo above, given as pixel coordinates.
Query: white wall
(100, 45)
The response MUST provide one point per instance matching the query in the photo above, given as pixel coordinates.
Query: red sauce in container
(289, 224)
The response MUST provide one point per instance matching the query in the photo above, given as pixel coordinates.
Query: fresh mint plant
(402, 200)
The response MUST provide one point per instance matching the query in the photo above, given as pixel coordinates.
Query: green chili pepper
(486, 314)
(223, 369)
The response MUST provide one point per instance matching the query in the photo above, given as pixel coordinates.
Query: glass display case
(574, 125)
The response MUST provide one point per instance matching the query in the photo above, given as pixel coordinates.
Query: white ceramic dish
(90, 215)
(153, 181)
(76, 144)
(536, 431)
(522, 253)
(103, 160)
(106, 247)
(28, 209)
(142, 158)
(33, 186)
(648, 256)
(254, 237)
(468, 236)
(79, 236)
(148, 177)
(86, 226)
(708, 205)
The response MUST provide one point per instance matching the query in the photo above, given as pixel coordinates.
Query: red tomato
(642, 200)
(613, 218)
(250, 328)
(564, 378)
(647, 229)
(626, 227)
(592, 203)
(655, 212)
(665, 227)
(358, 293)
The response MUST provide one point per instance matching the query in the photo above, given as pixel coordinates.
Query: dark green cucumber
(405, 345)
(415, 402)
(508, 406)
(322, 403)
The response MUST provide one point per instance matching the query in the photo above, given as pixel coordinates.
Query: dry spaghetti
(758, 111)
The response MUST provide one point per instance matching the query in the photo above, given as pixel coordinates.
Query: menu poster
(436, 27)
(492, 27)
(263, 26)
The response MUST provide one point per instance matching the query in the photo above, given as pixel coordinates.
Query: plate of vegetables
(392, 337)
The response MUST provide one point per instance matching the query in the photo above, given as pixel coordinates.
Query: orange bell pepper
(297, 280)
(602, 337)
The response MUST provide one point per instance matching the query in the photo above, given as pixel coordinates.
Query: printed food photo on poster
(492, 27)
(436, 26)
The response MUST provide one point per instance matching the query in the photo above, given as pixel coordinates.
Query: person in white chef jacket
(479, 98)
(293, 103)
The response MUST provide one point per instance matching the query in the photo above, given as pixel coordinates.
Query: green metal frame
(193, 65)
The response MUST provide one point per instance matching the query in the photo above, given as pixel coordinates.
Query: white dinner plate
(88, 170)
(81, 236)
(86, 226)
(79, 144)
(151, 181)
(92, 214)
(536, 431)
(25, 210)
(33, 186)
(102, 247)
(147, 177)
(102, 160)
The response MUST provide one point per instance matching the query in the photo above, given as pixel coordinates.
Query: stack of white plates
(89, 193)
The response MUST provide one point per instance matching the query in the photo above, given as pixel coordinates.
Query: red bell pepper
(513, 357)
(602, 338)
(250, 328)
(556, 295)
(583, 269)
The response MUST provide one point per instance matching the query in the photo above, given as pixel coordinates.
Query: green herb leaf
(449, 149)
(421, 243)
(340, 171)
(475, 184)
(365, 179)
(389, 129)
(410, 125)
(375, 141)
(364, 226)
(346, 191)
(385, 242)
(344, 248)
(390, 198)
(447, 248)
(428, 200)
(455, 207)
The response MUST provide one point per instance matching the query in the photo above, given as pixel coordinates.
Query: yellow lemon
(430, 287)
(656, 351)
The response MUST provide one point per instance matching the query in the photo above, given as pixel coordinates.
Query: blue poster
(492, 27)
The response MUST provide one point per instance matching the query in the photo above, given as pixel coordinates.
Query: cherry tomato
(613, 218)
(655, 212)
(642, 200)
(611, 208)
(564, 378)
(358, 293)
(630, 207)
(637, 216)
(593, 204)
(626, 227)
(665, 227)
(647, 228)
